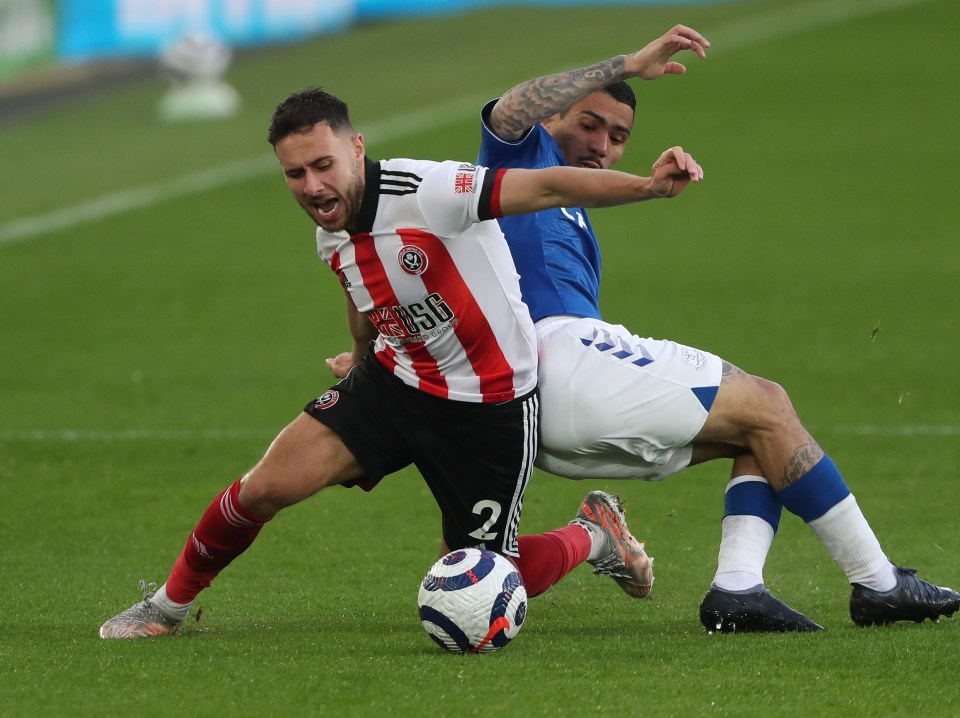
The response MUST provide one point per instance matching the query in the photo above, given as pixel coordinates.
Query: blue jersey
(556, 251)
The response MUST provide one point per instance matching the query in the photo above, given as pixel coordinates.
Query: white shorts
(616, 406)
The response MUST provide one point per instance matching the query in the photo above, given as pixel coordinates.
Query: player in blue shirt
(615, 405)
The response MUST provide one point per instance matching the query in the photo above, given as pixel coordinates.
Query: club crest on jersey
(327, 400)
(413, 260)
(464, 181)
(692, 357)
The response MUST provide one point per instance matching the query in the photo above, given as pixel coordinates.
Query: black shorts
(476, 458)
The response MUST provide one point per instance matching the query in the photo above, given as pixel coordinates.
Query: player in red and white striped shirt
(450, 383)
(436, 281)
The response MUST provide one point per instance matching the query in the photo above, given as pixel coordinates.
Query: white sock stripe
(744, 479)
(234, 517)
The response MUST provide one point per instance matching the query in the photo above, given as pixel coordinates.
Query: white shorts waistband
(548, 325)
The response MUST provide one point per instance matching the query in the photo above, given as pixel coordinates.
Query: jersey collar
(371, 197)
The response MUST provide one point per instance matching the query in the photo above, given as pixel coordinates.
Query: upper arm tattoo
(729, 369)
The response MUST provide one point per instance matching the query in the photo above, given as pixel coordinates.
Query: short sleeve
(455, 195)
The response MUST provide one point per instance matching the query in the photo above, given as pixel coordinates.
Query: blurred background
(52, 46)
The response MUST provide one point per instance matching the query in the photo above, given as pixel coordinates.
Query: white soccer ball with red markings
(472, 601)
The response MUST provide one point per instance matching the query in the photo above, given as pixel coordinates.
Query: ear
(358, 151)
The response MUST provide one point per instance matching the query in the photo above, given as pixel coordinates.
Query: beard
(350, 201)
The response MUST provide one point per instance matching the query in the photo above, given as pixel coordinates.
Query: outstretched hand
(673, 171)
(655, 61)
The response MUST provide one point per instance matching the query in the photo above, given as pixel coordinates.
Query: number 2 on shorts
(483, 533)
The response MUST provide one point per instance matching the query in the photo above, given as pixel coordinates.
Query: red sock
(225, 531)
(546, 558)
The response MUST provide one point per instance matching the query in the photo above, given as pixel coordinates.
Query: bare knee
(747, 408)
(264, 494)
(757, 414)
(776, 409)
(305, 458)
(269, 487)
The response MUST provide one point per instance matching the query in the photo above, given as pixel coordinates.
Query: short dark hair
(622, 92)
(304, 109)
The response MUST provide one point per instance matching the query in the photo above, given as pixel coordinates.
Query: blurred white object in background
(195, 64)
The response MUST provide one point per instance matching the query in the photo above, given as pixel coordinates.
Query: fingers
(684, 162)
(687, 38)
(674, 68)
(694, 170)
(654, 60)
(690, 34)
(673, 171)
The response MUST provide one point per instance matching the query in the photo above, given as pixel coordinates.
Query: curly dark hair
(304, 109)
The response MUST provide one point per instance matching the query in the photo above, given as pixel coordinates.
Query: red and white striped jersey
(438, 281)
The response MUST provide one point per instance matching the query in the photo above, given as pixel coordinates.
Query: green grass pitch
(148, 356)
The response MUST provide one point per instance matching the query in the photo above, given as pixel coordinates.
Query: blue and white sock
(821, 498)
(751, 515)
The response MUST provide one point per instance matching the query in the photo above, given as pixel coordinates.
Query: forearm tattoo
(531, 102)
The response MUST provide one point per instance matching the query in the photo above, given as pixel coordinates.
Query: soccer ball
(472, 601)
